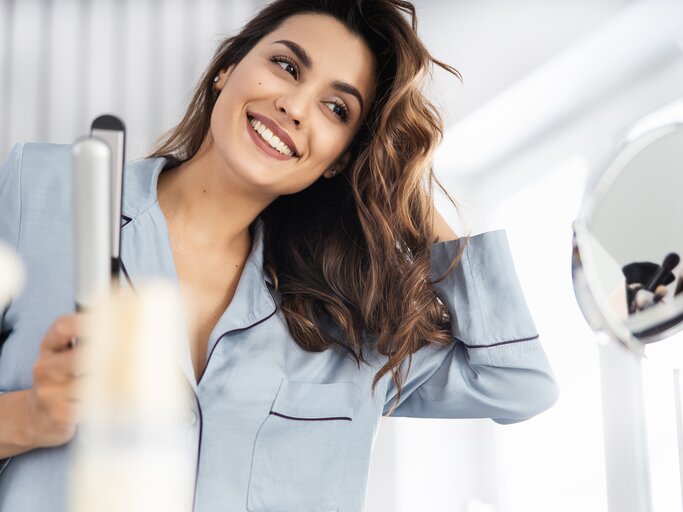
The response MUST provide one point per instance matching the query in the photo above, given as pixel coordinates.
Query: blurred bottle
(131, 451)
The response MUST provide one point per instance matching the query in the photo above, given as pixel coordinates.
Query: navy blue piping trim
(346, 418)
(199, 407)
(125, 274)
(208, 360)
(501, 343)
(120, 265)
(199, 450)
(4, 463)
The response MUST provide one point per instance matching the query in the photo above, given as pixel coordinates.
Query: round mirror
(628, 242)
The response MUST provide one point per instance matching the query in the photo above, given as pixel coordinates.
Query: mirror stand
(624, 427)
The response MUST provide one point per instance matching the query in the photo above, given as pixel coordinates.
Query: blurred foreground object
(91, 160)
(12, 274)
(129, 452)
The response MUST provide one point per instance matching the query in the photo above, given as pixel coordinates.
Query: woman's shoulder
(36, 160)
(35, 184)
(42, 172)
(41, 150)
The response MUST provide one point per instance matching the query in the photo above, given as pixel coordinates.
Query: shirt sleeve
(495, 367)
(10, 197)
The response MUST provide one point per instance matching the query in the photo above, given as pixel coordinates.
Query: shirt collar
(140, 185)
(140, 194)
(146, 253)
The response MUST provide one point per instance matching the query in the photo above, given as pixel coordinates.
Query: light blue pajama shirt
(250, 431)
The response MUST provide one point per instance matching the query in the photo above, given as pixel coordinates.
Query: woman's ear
(222, 77)
(338, 166)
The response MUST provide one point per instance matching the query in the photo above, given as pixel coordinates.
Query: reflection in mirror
(630, 238)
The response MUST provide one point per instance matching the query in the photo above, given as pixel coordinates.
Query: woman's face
(287, 112)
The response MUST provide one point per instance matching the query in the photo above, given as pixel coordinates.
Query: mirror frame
(589, 294)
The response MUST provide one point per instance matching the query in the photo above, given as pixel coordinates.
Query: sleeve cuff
(482, 293)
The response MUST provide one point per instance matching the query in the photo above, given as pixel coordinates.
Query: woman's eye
(339, 109)
(287, 64)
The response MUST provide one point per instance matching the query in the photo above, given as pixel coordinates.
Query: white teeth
(272, 139)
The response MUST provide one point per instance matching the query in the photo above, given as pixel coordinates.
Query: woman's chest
(283, 428)
(208, 282)
(296, 426)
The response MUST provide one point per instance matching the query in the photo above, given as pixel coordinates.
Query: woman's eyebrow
(306, 61)
(298, 51)
(349, 89)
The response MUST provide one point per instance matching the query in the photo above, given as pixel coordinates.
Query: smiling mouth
(270, 138)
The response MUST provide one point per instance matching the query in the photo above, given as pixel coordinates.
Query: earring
(216, 79)
(333, 172)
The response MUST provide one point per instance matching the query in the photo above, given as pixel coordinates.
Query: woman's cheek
(323, 145)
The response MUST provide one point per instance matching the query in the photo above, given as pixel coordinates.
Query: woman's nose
(294, 108)
(295, 120)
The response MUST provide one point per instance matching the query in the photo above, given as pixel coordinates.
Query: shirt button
(190, 418)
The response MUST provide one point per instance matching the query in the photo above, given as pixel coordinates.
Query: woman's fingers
(61, 333)
(57, 368)
(53, 418)
(54, 398)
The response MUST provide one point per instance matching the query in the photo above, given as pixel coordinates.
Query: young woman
(290, 206)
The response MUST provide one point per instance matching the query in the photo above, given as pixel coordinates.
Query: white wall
(64, 62)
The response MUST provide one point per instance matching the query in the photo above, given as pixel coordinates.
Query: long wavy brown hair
(354, 251)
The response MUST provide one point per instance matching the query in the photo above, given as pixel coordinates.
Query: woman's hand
(52, 401)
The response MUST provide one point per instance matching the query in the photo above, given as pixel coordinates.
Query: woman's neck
(204, 207)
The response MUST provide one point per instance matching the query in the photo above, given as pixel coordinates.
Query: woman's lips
(267, 148)
(276, 129)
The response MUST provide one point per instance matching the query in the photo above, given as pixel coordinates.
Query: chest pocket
(300, 449)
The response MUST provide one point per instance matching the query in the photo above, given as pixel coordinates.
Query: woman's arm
(15, 424)
(45, 414)
(495, 367)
